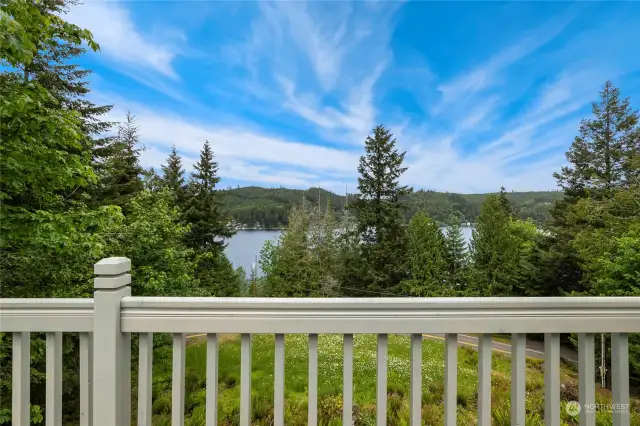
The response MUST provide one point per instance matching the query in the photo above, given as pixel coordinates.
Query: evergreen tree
(44, 162)
(305, 260)
(209, 224)
(286, 264)
(494, 251)
(427, 258)
(456, 256)
(122, 172)
(325, 250)
(379, 212)
(53, 67)
(601, 163)
(151, 180)
(173, 175)
(504, 202)
(202, 210)
(601, 155)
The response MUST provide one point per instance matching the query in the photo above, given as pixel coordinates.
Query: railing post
(111, 347)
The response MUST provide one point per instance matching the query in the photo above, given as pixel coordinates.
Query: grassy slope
(330, 384)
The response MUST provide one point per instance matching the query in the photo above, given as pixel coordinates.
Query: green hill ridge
(258, 207)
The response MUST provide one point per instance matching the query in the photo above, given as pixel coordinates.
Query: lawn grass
(364, 386)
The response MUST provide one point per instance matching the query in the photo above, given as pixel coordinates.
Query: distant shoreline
(442, 225)
(260, 229)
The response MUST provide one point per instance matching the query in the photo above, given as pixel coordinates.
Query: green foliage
(456, 257)
(493, 250)
(153, 239)
(69, 197)
(253, 206)
(209, 225)
(173, 175)
(594, 234)
(601, 155)
(378, 210)
(151, 180)
(427, 259)
(501, 250)
(619, 271)
(48, 240)
(25, 27)
(504, 201)
(121, 171)
(305, 260)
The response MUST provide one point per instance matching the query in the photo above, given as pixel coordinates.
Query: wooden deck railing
(105, 324)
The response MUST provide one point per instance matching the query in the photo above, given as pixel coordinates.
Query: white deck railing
(106, 322)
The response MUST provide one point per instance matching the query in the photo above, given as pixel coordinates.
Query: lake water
(245, 245)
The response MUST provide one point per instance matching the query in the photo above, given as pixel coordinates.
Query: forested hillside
(254, 206)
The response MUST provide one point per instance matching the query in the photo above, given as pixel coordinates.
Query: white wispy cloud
(120, 40)
(357, 114)
(488, 73)
(305, 51)
(243, 154)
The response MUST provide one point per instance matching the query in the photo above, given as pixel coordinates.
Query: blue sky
(479, 94)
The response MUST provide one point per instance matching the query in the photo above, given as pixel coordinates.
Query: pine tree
(209, 224)
(379, 212)
(324, 251)
(44, 162)
(494, 251)
(122, 172)
(504, 202)
(286, 264)
(151, 180)
(601, 155)
(456, 256)
(427, 258)
(53, 68)
(601, 163)
(173, 175)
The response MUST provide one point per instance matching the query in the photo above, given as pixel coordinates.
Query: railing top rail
(381, 315)
(46, 303)
(66, 315)
(580, 302)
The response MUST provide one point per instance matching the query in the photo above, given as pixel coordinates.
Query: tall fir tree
(601, 163)
(494, 251)
(601, 155)
(504, 202)
(44, 161)
(305, 260)
(286, 264)
(53, 67)
(379, 213)
(121, 174)
(456, 256)
(202, 209)
(151, 180)
(173, 175)
(427, 258)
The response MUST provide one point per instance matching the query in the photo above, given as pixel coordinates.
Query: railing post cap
(112, 266)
